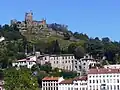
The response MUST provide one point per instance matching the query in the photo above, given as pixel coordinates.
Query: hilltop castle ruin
(29, 25)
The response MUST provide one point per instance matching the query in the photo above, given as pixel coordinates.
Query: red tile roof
(69, 81)
(82, 78)
(103, 71)
(50, 78)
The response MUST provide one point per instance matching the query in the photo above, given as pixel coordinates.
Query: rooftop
(82, 78)
(50, 78)
(69, 81)
(103, 71)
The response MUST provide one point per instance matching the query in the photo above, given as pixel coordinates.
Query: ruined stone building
(29, 24)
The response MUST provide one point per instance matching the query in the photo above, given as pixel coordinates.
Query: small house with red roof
(51, 83)
(78, 83)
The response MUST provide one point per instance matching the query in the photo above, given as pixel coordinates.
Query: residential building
(66, 85)
(28, 62)
(51, 83)
(79, 83)
(63, 61)
(104, 79)
(85, 63)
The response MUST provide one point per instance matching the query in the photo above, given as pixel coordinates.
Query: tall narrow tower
(29, 18)
(29, 23)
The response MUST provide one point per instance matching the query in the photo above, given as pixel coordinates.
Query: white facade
(104, 79)
(79, 83)
(117, 66)
(84, 63)
(64, 61)
(28, 62)
(66, 85)
(51, 83)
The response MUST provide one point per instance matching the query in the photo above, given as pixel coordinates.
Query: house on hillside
(28, 62)
(85, 63)
(62, 61)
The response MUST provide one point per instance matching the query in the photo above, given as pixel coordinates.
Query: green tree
(21, 79)
(79, 52)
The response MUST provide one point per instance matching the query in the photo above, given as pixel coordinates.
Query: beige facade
(63, 61)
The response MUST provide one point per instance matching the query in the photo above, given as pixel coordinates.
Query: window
(108, 87)
(97, 81)
(69, 57)
(43, 88)
(65, 57)
(117, 87)
(84, 64)
(65, 61)
(90, 81)
(76, 83)
(75, 66)
(62, 57)
(114, 87)
(93, 81)
(45, 58)
(43, 84)
(75, 88)
(103, 81)
(117, 80)
(48, 84)
(71, 88)
(69, 67)
(111, 87)
(57, 62)
(68, 88)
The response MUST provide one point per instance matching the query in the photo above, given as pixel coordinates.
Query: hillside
(56, 39)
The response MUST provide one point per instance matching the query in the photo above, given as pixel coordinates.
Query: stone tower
(29, 18)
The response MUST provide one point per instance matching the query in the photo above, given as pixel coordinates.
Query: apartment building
(51, 83)
(66, 85)
(62, 61)
(104, 79)
(79, 83)
(85, 63)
